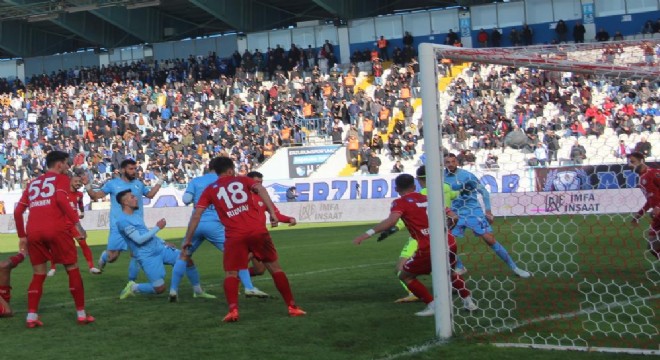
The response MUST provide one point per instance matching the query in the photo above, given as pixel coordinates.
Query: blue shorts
(210, 231)
(154, 266)
(116, 241)
(478, 224)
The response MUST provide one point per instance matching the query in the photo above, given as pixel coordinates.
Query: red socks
(34, 292)
(231, 292)
(282, 284)
(77, 289)
(419, 290)
(87, 253)
(459, 284)
(16, 259)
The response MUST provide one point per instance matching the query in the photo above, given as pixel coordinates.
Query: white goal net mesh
(546, 129)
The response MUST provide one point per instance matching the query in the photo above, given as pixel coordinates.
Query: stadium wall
(539, 179)
(513, 204)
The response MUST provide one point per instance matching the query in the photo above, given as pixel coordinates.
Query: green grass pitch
(348, 292)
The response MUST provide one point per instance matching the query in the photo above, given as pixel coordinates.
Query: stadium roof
(38, 27)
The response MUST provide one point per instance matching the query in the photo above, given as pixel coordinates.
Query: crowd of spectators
(563, 33)
(476, 117)
(172, 116)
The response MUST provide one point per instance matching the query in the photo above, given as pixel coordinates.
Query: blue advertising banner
(305, 160)
(588, 13)
(588, 177)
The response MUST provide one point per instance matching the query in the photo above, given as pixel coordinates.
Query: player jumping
(471, 215)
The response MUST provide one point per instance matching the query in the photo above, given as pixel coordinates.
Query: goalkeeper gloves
(387, 233)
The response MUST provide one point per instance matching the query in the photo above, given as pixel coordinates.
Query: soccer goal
(546, 130)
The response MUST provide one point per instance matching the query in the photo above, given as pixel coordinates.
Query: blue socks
(244, 275)
(133, 268)
(192, 274)
(104, 257)
(503, 254)
(177, 274)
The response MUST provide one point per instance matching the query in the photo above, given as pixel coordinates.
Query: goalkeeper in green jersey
(411, 246)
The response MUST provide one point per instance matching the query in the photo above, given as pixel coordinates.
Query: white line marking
(573, 314)
(580, 348)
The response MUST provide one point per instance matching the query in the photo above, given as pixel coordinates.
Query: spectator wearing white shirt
(622, 150)
(541, 153)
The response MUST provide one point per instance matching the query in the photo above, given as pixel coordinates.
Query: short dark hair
(255, 174)
(404, 182)
(421, 172)
(54, 157)
(637, 155)
(120, 195)
(127, 162)
(78, 172)
(221, 164)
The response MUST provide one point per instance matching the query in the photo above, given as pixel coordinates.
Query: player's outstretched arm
(94, 195)
(400, 225)
(155, 188)
(382, 226)
(134, 234)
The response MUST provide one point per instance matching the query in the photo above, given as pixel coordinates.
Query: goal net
(546, 130)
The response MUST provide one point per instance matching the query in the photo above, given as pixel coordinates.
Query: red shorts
(57, 247)
(237, 250)
(420, 262)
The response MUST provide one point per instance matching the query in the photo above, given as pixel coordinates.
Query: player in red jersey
(234, 199)
(411, 208)
(76, 201)
(258, 268)
(47, 236)
(649, 182)
(6, 266)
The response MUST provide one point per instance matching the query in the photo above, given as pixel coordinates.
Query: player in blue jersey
(470, 213)
(151, 252)
(210, 227)
(126, 180)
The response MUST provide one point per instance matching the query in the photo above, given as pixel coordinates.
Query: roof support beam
(145, 23)
(246, 15)
(349, 9)
(22, 40)
(95, 30)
